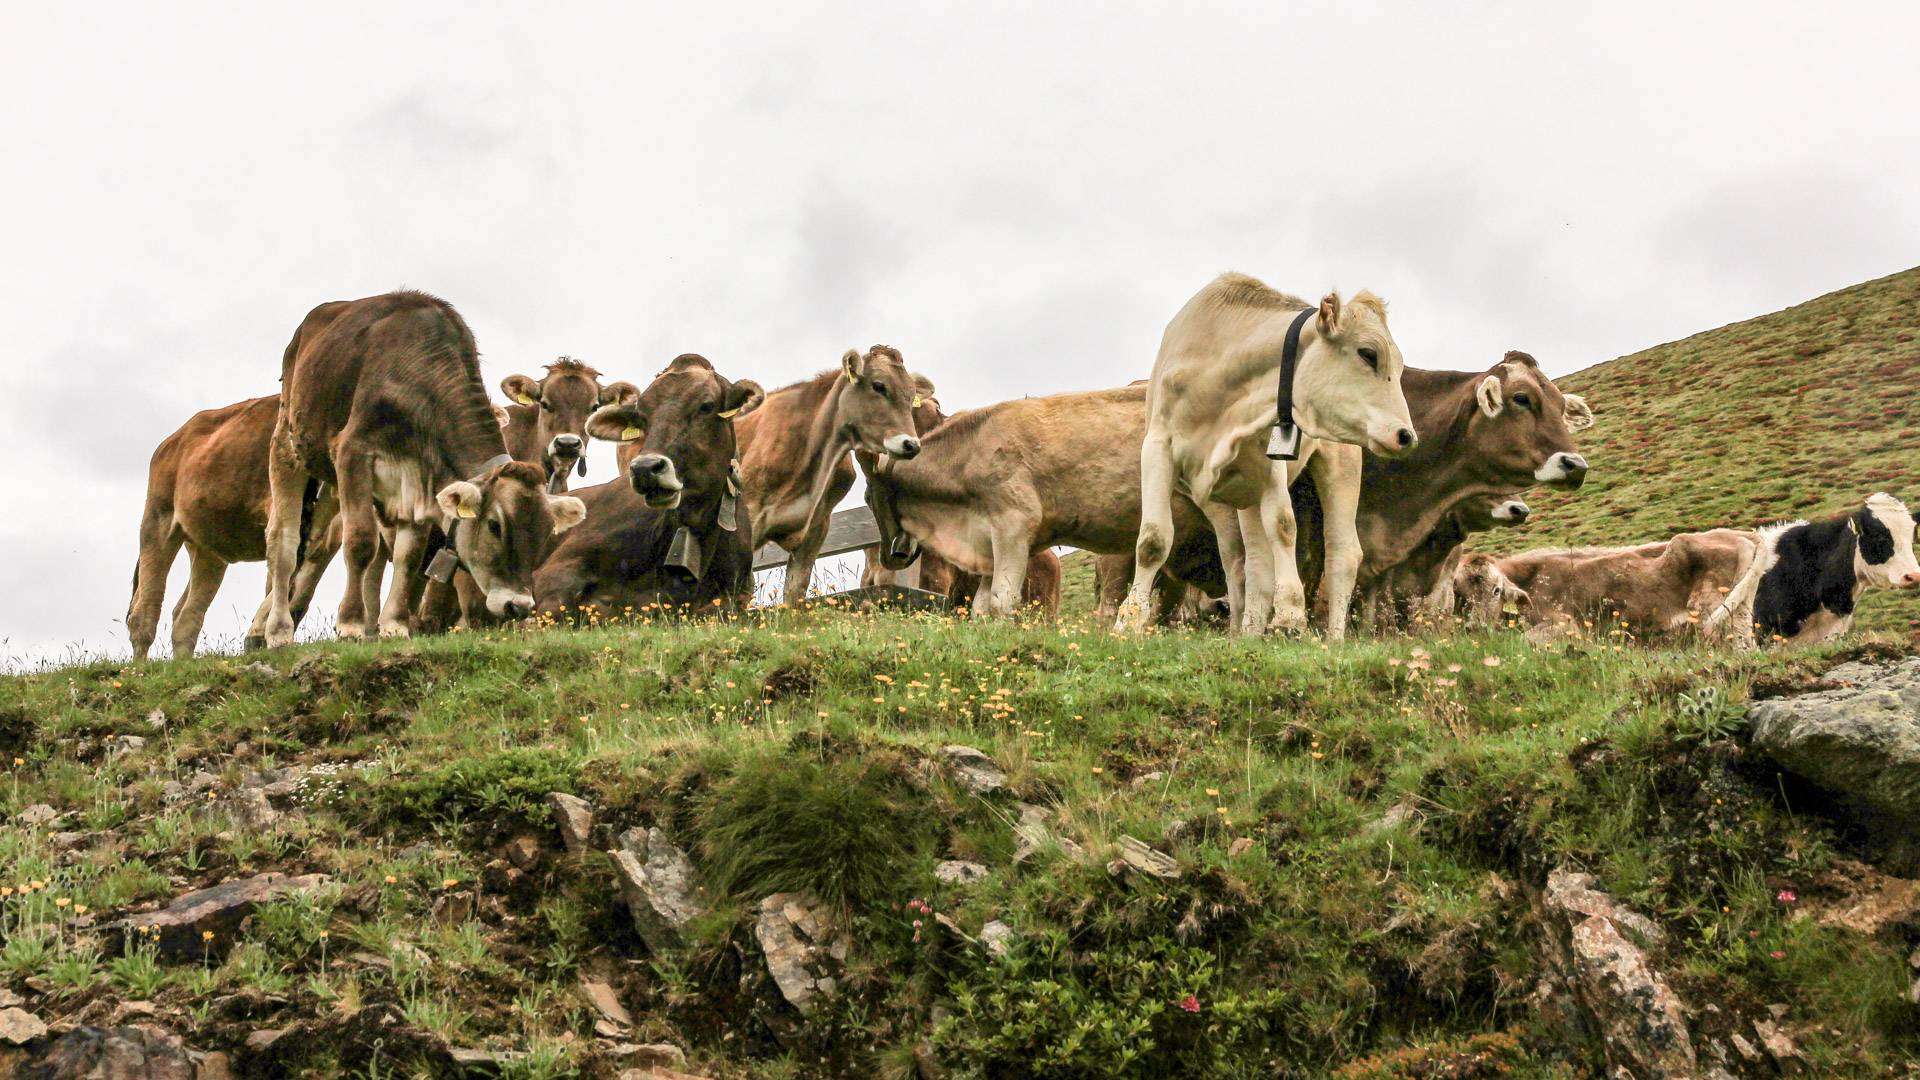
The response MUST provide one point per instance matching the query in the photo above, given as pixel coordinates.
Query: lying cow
(670, 535)
(1423, 581)
(1818, 570)
(1693, 584)
(1211, 407)
(381, 399)
(207, 491)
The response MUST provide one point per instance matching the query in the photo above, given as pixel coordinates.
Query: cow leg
(1278, 523)
(288, 486)
(408, 547)
(1337, 476)
(1257, 573)
(1155, 542)
(208, 570)
(322, 545)
(1233, 558)
(159, 545)
(360, 541)
(1012, 547)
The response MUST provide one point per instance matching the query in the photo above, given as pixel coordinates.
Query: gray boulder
(1861, 742)
(1615, 988)
(658, 882)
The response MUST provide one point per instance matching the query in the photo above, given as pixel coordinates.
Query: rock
(8, 998)
(523, 851)
(133, 1010)
(483, 1062)
(217, 910)
(1746, 1049)
(1032, 834)
(18, 1026)
(1138, 855)
(258, 669)
(173, 791)
(1860, 742)
(213, 1066)
(138, 1052)
(121, 746)
(660, 892)
(452, 908)
(656, 1073)
(799, 945)
(498, 877)
(997, 937)
(605, 1002)
(574, 815)
(202, 781)
(1397, 815)
(1867, 901)
(37, 814)
(956, 872)
(637, 1056)
(1639, 1018)
(1776, 1043)
(65, 840)
(974, 769)
(260, 1042)
(1240, 846)
(1146, 778)
(251, 808)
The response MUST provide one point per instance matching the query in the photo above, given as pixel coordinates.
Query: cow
(1819, 569)
(679, 442)
(207, 491)
(547, 422)
(1175, 602)
(381, 399)
(1422, 583)
(1694, 584)
(1211, 405)
(795, 451)
(993, 486)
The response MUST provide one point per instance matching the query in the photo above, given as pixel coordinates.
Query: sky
(1016, 196)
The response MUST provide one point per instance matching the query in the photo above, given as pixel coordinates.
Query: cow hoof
(278, 641)
(391, 631)
(255, 642)
(350, 632)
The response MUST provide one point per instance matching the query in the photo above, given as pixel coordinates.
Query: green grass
(800, 752)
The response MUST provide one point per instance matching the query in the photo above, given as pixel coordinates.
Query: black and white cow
(1819, 569)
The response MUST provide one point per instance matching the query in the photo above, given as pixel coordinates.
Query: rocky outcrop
(1860, 741)
(181, 928)
(1617, 991)
(974, 769)
(658, 882)
(574, 816)
(137, 1052)
(802, 947)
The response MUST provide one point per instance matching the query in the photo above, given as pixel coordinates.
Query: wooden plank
(849, 530)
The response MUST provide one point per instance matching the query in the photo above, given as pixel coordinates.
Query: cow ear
(742, 398)
(1579, 413)
(616, 423)
(521, 388)
(1515, 596)
(567, 512)
(1488, 395)
(501, 416)
(1330, 315)
(460, 499)
(853, 364)
(619, 393)
(922, 389)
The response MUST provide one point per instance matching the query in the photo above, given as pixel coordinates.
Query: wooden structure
(849, 531)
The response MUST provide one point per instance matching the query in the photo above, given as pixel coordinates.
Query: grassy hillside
(1800, 413)
(1359, 834)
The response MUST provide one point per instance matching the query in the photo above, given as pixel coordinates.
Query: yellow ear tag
(849, 376)
(916, 401)
(527, 399)
(730, 414)
(465, 511)
(631, 434)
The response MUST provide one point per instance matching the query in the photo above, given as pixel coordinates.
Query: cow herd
(1280, 450)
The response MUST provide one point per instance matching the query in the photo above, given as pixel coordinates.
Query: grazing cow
(794, 452)
(1211, 406)
(1423, 581)
(993, 486)
(207, 490)
(1819, 569)
(1695, 583)
(381, 398)
(679, 441)
(547, 422)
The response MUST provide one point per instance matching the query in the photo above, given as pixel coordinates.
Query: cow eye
(880, 388)
(1371, 357)
(493, 526)
(547, 405)
(1523, 400)
(706, 407)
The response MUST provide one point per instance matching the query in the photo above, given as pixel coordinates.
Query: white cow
(1210, 406)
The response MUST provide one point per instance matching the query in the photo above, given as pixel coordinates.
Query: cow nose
(1520, 512)
(656, 464)
(1406, 438)
(568, 445)
(909, 446)
(1574, 464)
(1909, 581)
(519, 609)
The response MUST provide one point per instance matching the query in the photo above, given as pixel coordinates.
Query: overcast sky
(1017, 197)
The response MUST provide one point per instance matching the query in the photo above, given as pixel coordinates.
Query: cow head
(1520, 428)
(874, 409)
(1479, 515)
(1482, 595)
(1883, 557)
(502, 524)
(898, 548)
(681, 426)
(561, 402)
(1346, 385)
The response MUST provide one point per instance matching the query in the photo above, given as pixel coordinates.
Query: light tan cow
(1211, 405)
(1692, 584)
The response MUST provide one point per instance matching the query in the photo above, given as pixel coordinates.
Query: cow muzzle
(900, 552)
(1391, 440)
(1563, 471)
(656, 480)
(1511, 512)
(509, 604)
(903, 447)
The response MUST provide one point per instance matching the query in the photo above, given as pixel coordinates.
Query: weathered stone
(1240, 846)
(258, 669)
(37, 814)
(1138, 855)
(259, 1042)
(649, 1055)
(213, 1066)
(523, 851)
(251, 808)
(1860, 742)
(483, 1062)
(1859, 898)
(574, 815)
(997, 937)
(657, 1073)
(974, 769)
(958, 872)
(799, 945)
(202, 781)
(1397, 815)
(137, 1052)
(1775, 1042)
(65, 840)
(18, 1026)
(605, 1002)
(1146, 778)
(173, 791)
(1746, 1049)
(122, 745)
(1639, 1018)
(452, 908)
(1032, 834)
(217, 910)
(660, 891)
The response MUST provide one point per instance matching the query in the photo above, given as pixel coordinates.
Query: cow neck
(1433, 466)
(826, 445)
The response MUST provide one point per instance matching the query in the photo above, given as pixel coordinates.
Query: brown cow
(547, 422)
(1174, 601)
(1695, 583)
(381, 398)
(794, 450)
(207, 490)
(1423, 582)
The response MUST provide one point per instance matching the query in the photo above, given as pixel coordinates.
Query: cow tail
(1738, 603)
(308, 497)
